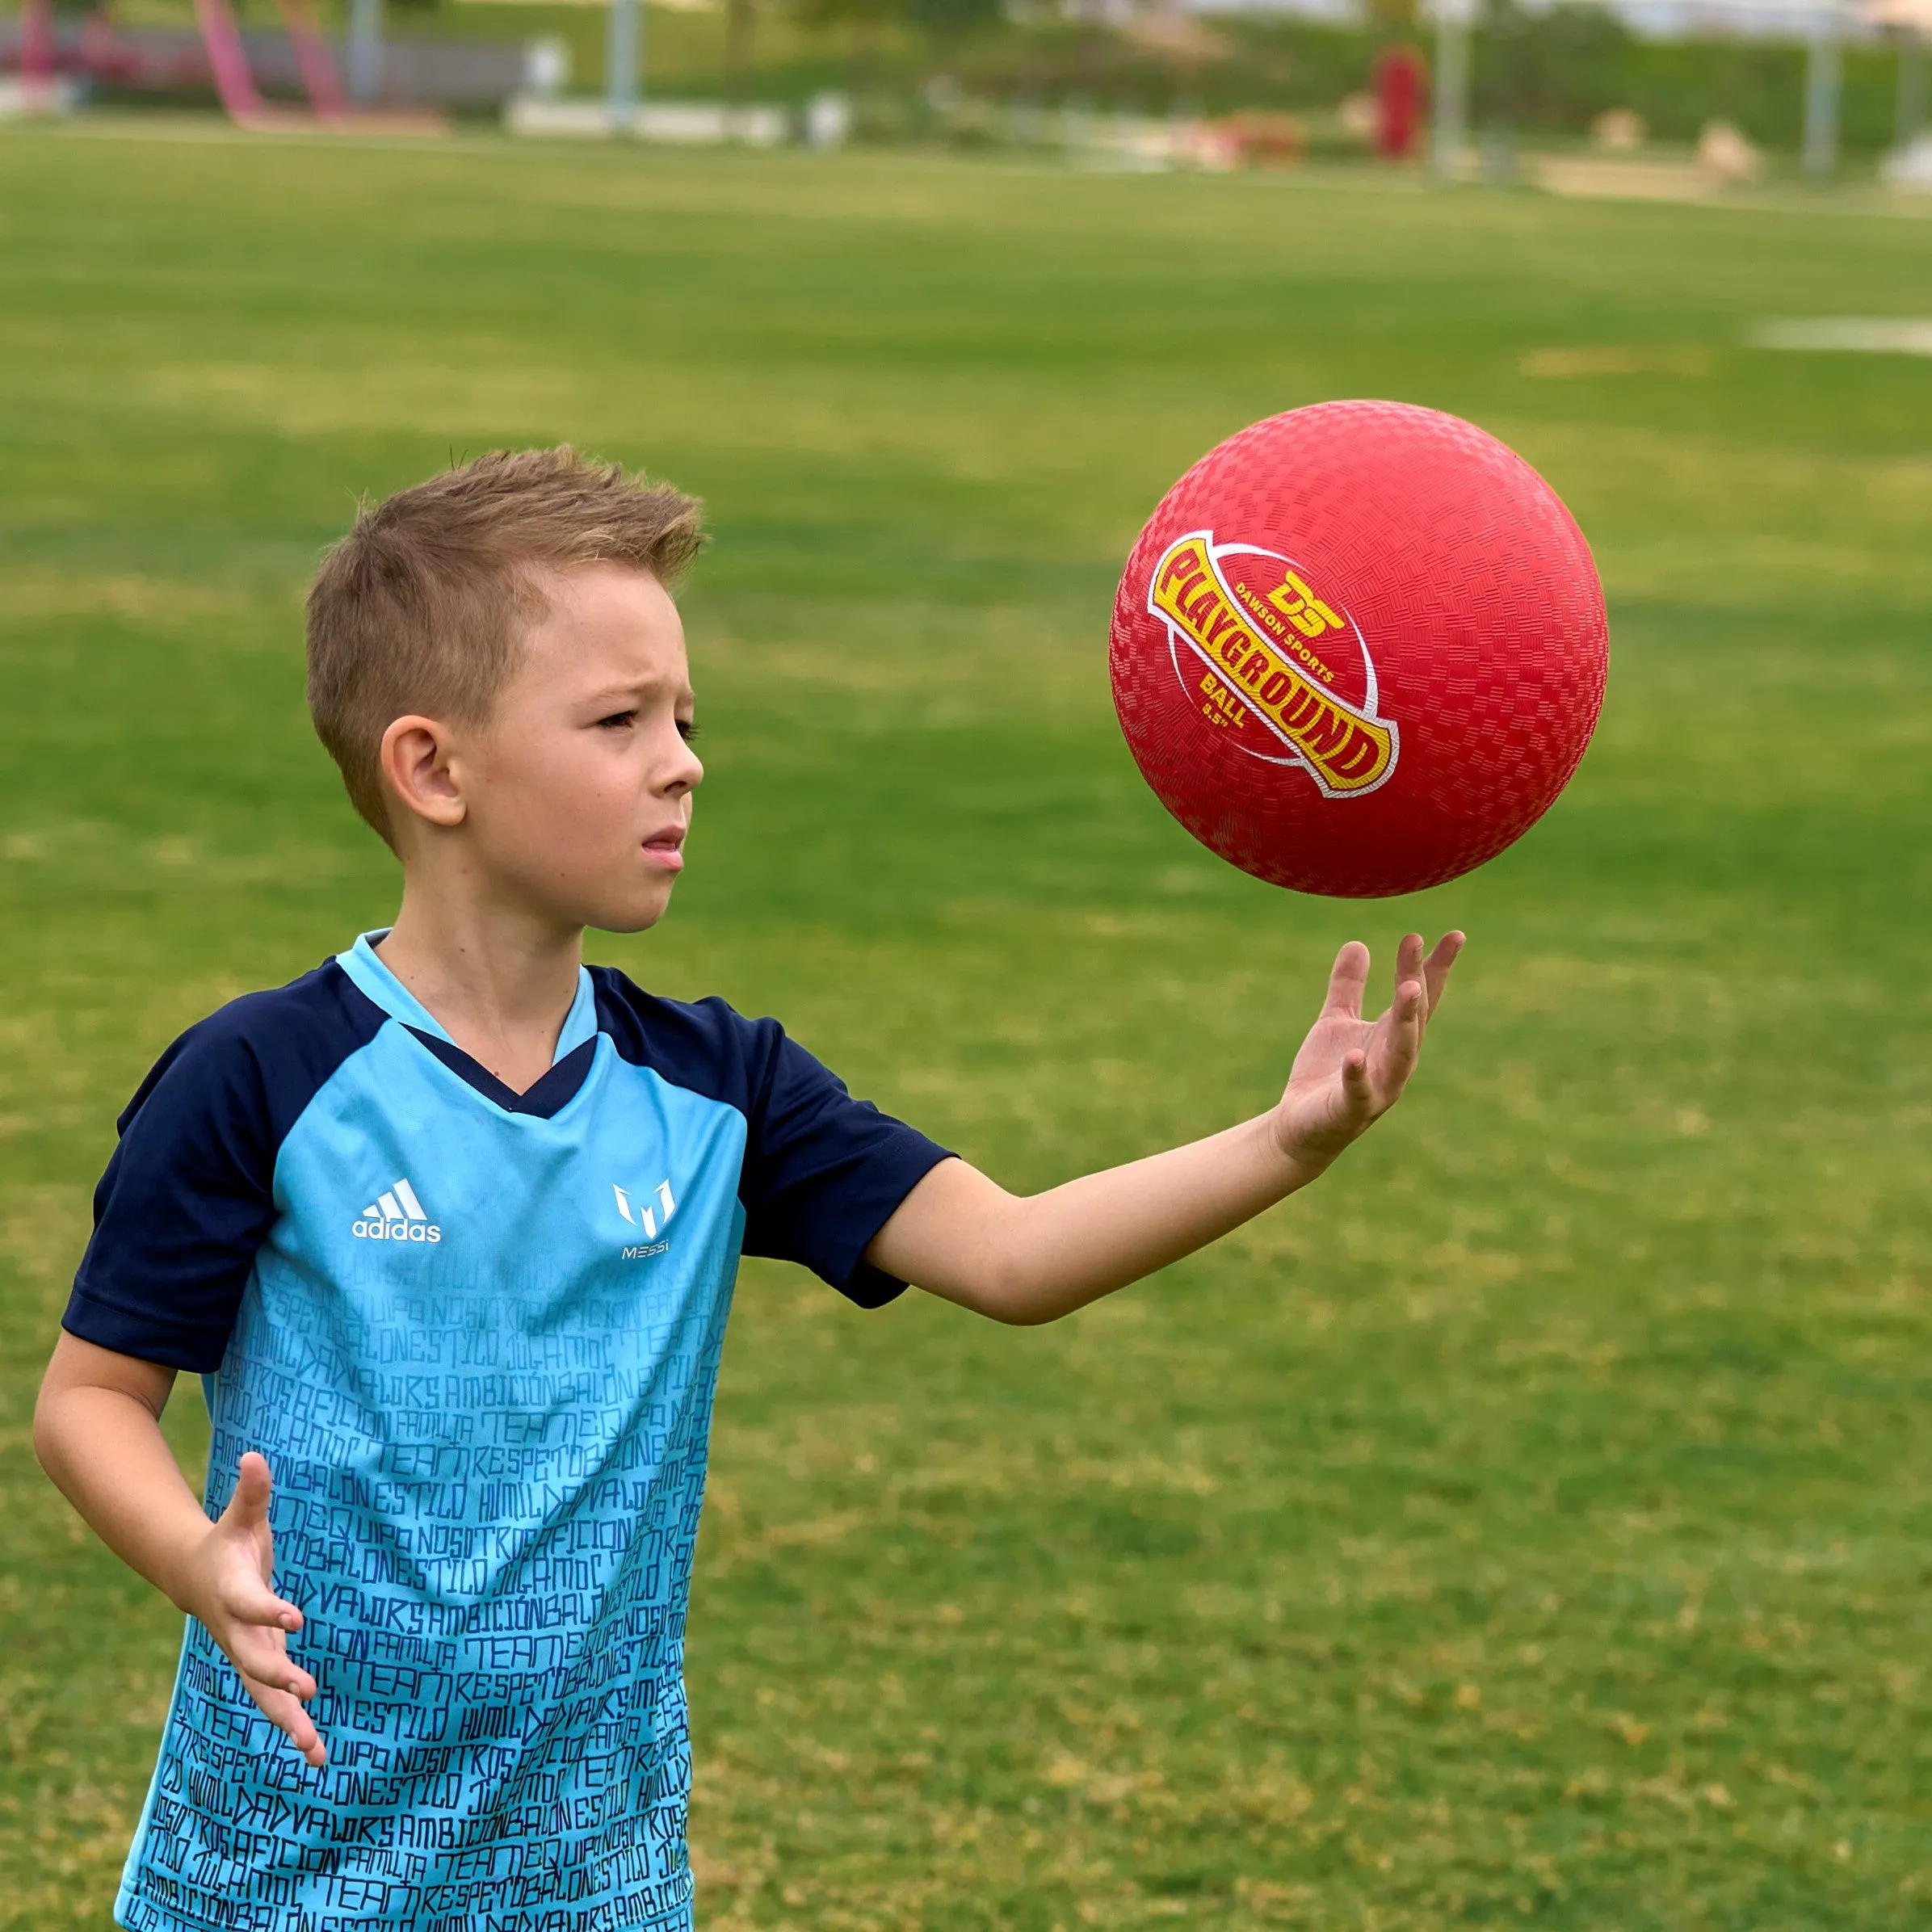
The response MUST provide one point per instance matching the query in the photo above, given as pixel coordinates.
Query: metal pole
(1821, 76)
(1449, 119)
(365, 51)
(621, 52)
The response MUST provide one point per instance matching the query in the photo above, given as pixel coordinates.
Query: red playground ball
(1359, 649)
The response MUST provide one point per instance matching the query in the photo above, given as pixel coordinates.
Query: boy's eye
(617, 720)
(687, 729)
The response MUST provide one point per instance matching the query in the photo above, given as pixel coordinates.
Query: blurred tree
(741, 23)
(873, 13)
(952, 20)
(1394, 17)
(865, 23)
(1554, 68)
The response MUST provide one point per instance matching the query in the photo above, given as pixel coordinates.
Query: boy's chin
(630, 915)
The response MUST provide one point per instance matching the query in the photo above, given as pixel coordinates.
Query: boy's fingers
(1412, 1009)
(1347, 982)
(1435, 968)
(288, 1717)
(273, 1613)
(1402, 1038)
(273, 1671)
(1356, 1087)
(263, 1655)
(259, 1605)
(1408, 959)
(249, 1506)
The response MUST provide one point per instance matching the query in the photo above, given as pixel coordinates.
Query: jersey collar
(372, 977)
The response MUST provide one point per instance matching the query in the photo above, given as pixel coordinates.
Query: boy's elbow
(1011, 1296)
(1007, 1289)
(1002, 1268)
(46, 1431)
(1018, 1311)
(59, 1426)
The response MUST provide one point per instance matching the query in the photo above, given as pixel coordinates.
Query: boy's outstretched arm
(97, 1431)
(1032, 1259)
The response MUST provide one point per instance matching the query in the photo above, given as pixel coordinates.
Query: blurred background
(1667, 96)
(1527, 1525)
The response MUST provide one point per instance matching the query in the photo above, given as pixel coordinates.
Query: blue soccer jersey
(476, 1333)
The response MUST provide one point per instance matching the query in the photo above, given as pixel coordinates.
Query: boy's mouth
(667, 848)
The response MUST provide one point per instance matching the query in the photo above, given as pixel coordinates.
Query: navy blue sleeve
(189, 1193)
(823, 1172)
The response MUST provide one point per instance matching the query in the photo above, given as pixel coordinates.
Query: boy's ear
(415, 763)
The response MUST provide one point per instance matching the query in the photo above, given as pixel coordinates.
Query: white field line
(1865, 335)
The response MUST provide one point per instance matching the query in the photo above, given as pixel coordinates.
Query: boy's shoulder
(687, 1042)
(270, 1048)
(188, 1193)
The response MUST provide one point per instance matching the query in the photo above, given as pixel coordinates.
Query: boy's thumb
(253, 1484)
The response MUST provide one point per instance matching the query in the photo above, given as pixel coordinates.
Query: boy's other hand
(225, 1584)
(1351, 1071)
(97, 1432)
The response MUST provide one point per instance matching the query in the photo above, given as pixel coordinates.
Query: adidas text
(396, 1231)
(396, 1216)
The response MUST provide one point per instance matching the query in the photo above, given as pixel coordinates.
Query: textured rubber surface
(1359, 649)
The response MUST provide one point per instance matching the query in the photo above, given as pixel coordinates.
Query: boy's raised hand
(1350, 1071)
(225, 1585)
(1037, 1257)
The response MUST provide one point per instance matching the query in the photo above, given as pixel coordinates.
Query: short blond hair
(423, 605)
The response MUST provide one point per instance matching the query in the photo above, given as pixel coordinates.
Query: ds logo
(648, 1218)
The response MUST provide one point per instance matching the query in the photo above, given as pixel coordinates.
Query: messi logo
(648, 1217)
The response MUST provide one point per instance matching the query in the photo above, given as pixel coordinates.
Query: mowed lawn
(1531, 1524)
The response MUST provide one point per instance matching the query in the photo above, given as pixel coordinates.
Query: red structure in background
(101, 54)
(1401, 93)
(228, 62)
(37, 59)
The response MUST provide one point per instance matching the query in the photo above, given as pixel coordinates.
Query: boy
(449, 1227)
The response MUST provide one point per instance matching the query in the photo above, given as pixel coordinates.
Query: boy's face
(578, 793)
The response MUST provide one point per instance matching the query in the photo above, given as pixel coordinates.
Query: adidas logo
(397, 1216)
(648, 1218)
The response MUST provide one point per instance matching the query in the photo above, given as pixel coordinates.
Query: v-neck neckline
(546, 1096)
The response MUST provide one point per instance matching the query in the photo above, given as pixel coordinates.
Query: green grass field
(1530, 1524)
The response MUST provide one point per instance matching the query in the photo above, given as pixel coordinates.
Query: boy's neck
(499, 980)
